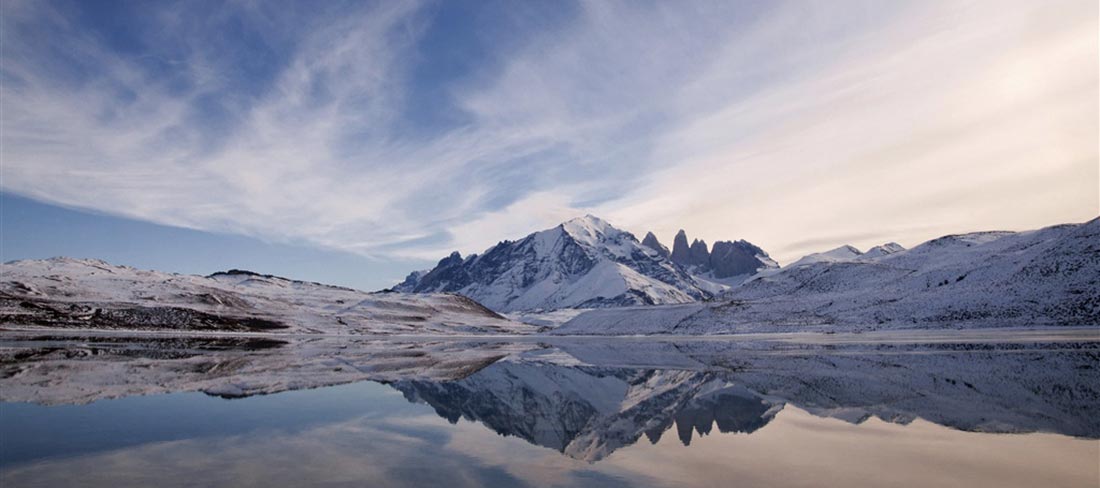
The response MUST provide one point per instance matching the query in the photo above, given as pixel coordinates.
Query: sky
(351, 142)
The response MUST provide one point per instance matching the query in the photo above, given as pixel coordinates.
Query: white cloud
(796, 126)
(946, 120)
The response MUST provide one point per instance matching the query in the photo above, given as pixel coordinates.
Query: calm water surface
(589, 413)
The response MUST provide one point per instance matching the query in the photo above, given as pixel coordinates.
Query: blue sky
(33, 230)
(352, 141)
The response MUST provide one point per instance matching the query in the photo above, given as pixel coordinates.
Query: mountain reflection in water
(587, 412)
(598, 402)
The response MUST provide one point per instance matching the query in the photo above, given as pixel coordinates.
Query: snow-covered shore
(92, 294)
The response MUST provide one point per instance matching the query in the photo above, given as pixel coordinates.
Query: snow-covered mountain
(840, 254)
(848, 254)
(93, 294)
(582, 263)
(1049, 276)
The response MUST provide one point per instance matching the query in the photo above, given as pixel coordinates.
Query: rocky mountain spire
(651, 242)
(698, 254)
(732, 258)
(723, 260)
(680, 253)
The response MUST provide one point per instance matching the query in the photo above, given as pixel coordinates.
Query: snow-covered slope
(1049, 276)
(881, 250)
(582, 263)
(838, 255)
(847, 254)
(88, 293)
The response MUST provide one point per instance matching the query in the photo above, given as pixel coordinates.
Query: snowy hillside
(87, 293)
(582, 263)
(840, 254)
(1049, 276)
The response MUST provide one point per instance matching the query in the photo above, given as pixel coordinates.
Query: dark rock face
(651, 242)
(698, 254)
(732, 258)
(680, 249)
(725, 259)
(410, 281)
(449, 270)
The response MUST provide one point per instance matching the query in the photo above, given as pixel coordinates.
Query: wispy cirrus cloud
(780, 123)
(933, 120)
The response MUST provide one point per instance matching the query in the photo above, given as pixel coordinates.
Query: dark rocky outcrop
(698, 254)
(680, 249)
(651, 242)
(725, 259)
(733, 258)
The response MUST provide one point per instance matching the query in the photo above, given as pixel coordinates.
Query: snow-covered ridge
(848, 253)
(90, 293)
(588, 263)
(1049, 276)
(840, 254)
(582, 263)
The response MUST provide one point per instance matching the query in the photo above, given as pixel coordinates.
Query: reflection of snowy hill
(591, 398)
(588, 398)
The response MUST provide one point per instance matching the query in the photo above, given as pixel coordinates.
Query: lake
(953, 408)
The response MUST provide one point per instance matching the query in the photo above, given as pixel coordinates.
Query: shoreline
(927, 335)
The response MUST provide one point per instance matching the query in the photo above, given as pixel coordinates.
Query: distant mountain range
(1049, 276)
(588, 263)
(593, 279)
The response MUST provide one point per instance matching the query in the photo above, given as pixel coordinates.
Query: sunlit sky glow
(399, 131)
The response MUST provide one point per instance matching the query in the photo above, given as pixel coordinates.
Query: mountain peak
(882, 250)
(589, 229)
(698, 255)
(839, 254)
(680, 249)
(651, 242)
(583, 262)
(587, 221)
